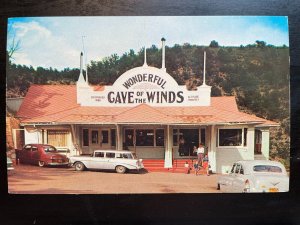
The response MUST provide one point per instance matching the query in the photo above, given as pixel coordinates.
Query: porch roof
(58, 104)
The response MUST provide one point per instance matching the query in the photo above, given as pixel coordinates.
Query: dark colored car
(42, 155)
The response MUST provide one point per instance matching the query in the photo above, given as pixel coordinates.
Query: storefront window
(188, 140)
(245, 136)
(230, 137)
(203, 136)
(128, 138)
(160, 137)
(175, 137)
(113, 137)
(145, 137)
(105, 137)
(85, 137)
(95, 139)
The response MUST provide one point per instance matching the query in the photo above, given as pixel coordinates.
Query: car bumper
(58, 164)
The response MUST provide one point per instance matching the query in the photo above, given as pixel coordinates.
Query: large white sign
(143, 85)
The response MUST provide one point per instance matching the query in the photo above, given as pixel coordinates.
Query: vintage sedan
(42, 155)
(255, 176)
(120, 161)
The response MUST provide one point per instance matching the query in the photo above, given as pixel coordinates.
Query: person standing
(200, 154)
(206, 164)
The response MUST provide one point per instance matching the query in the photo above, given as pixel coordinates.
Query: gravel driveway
(29, 179)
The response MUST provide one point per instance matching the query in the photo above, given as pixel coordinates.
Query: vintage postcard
(141, 104)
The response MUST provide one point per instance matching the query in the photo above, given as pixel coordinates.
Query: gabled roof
(58, 104)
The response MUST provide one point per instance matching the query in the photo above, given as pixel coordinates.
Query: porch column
(75, 141)
(168, 149)
(212, 154)
(119, 140)
(265, 143)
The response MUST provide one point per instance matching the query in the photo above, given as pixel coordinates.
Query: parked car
(120, 161)
(42, 155)
(9, 165)
(255, 176)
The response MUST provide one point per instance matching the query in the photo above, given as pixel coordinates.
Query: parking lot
(30, 179)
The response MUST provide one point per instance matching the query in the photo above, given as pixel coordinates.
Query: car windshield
(49, 149)
(134, 156)
(267, 168)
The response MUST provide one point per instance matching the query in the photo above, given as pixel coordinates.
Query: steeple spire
(204, 69)
(145, 57)
(163, 64)
(81, 78)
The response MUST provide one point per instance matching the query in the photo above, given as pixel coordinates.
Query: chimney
(163, 64)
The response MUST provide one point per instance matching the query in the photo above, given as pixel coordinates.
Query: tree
(260, 44)
(13, 46)
(214, 44)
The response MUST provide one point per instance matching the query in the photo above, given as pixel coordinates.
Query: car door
(35, 155)
(239, 182)
(26, 154)
(231, 178)
(226, 181)
(236, 179)
(111, 158)
(99, 161)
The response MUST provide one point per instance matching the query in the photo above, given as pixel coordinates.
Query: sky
(57, 41)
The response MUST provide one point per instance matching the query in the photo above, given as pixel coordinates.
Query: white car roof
(115, 151)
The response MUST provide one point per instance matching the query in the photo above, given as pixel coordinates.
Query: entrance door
(258, 140)
(188, 139)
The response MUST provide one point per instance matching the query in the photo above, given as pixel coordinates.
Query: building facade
(147, 112)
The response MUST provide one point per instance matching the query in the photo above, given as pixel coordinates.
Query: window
(58, 138)
(230, 137)
(34, 148)
(124, 155)
(85, 137)
(48, 148)
(160, 137)
(188, 140)
(267, 168)
(145, 137)
(28, 148)
(113, 137)
(129, 137)
(105, 137)
(232, 169)
(175, 137)
(241, 170)
(245, 136)
(110, 155)
(237, 168)
(99, 154)
(95, 137)
(203, 136)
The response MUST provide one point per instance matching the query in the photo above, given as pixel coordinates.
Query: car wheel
(79, 166)
(218, 187)
(41, 163)
(120, 169)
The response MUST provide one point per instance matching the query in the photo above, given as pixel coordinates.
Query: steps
(157, 165)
